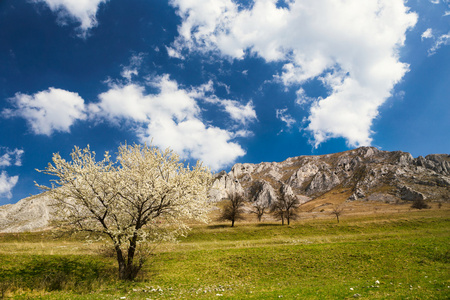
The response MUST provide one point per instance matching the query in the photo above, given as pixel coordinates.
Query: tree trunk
(232, 223)
(132, 249)
(121, 262)
(127, 270)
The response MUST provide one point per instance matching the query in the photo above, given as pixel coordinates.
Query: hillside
(28, 214)
(366, 174)
(363, 174)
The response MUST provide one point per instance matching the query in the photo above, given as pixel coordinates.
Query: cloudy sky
(223, 81)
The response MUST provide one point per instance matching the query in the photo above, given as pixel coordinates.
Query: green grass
(389, 256)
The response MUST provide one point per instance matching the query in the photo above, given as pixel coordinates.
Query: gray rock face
(302, 176)
(323, 180)
(261, 192)
(363, 171)
(223, 185)
(29, 214)
(407, 193)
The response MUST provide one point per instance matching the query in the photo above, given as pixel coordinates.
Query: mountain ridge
(364, 171)
(361, 174)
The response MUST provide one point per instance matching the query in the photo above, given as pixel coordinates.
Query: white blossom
(145, 195)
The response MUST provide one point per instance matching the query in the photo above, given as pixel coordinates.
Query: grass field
(391, 255)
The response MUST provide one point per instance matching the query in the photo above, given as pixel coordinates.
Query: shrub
(419, 203)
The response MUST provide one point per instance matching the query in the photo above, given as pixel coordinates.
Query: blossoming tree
(145, 195)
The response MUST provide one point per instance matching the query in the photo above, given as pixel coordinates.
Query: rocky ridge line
(367, 173)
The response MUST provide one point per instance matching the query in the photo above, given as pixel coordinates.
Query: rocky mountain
(28, 214)
(363, 174)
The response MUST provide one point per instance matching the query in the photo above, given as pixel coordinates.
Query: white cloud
(7, 183)
(48, 111)
(133, 67)
(442, 40)
(172, 52)
(435, 1)
(302, 98)
(83, 11)
(285, 117)
(353, 46)
(10, 157)
(193, 139)
(238, 112)
(170, 118)
(128, 72)
(427, 34)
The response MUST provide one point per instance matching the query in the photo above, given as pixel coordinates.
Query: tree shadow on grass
(268, 225)
(80, 274)
(218, 226)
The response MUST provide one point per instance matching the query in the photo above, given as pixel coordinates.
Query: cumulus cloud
(238, 112)
(170, 118)
(83, 11)
(10, 157)
(48, 111)
(351, 46)
(7, 183)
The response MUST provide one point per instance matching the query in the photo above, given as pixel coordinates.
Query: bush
(419, 204)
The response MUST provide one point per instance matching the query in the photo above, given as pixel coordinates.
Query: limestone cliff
(28, 214)
(365, 173)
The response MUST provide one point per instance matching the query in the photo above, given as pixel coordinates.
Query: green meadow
(379, 256)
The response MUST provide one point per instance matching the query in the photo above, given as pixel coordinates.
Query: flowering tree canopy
(144, 195)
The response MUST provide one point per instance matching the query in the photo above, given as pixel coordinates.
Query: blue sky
(223, 81)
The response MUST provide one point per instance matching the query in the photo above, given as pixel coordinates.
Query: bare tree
(337, 211)
(260, 206)
(234, 208)
(143, 196)
(259, 209)
(285, 207)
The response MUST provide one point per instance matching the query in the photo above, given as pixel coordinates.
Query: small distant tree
(234, 208)
(145, 195)
(337, 211)
(285, 207)
(259, 209)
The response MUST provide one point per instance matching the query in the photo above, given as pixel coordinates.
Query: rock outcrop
(28, 214)
(407, 193)
(369, 173)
